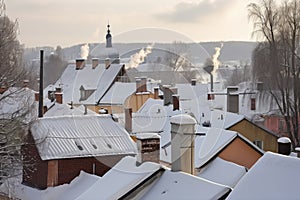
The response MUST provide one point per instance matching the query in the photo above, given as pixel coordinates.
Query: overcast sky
(70, 22)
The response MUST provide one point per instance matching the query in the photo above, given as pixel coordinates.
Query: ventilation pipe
(41, 89)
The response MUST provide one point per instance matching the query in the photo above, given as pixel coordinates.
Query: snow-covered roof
(223, 172)
(180, 185)
(118, 93)
(18, 102)
(98, 79)
(119, 180)
(64, 192)
(64, 109)
(104, 83)
(273, 176)
(80, 136)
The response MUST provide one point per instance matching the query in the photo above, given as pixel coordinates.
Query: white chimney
(182, 143)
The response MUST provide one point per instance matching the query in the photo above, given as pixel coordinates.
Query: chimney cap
(297, 149)
(284, 140)
(183, 119)
(143, 136)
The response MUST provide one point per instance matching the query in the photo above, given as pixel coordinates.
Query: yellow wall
(134, 101)
(240, 153)
(252, 133)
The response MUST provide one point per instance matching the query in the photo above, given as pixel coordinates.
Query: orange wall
(135, 101)
(240, 153)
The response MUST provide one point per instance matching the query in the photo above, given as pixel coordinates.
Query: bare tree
(16, 102)
(276, 59)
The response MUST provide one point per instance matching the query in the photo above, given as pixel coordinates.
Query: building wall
(253, 133)
(135, 101)
(34, 169)
(42, 174)
(240, 153)
(68, 169)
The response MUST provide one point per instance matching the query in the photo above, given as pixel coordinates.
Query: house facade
(58, 148)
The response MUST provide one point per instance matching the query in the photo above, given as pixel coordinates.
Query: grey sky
(69, 22)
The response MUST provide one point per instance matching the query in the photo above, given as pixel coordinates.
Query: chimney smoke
(139, 57)
(84, 51)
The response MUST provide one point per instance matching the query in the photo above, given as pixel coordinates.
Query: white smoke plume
(139, 57)
(215, 57)
(84, 51)
(213, 61)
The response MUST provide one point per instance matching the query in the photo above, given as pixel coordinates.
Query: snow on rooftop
(206, 147)
(118, 93)
(64, 109)
(223, 172)
(120, 179)
(183, 119)
(63, 192)
(98, 79)
(143, 136)
(104, 82)
(180, 185)
(273, 176)
(80, 136)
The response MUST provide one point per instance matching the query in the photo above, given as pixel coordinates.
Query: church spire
(108, 37)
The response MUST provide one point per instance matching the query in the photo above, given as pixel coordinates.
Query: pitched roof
(120, 179)
(180, 185)
(80, 136)
(98, 80)
(223, 172)
(273, 176)
(118, 93)
(64, 109)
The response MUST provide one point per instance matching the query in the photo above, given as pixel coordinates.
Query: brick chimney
(25, 83)
(193, 82)
(138, 85)
(182, 143)
(95, 62)
(168, 92)
(59, 97)
(128, 119)
(284, 145)
(148, 145)
(175, 101)
(156, 93)
(143, 84)
(3, 88)
(80, 63)
(232, 99)
(36, 96)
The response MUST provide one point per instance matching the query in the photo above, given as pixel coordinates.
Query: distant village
(147, 127)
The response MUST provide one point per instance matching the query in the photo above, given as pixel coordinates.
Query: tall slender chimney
(41, 92)
(138, 85)
(182, 143)
(128, 119)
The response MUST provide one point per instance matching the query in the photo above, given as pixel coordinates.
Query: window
(259, 143)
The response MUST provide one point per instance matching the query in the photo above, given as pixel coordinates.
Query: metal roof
(80, 136)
